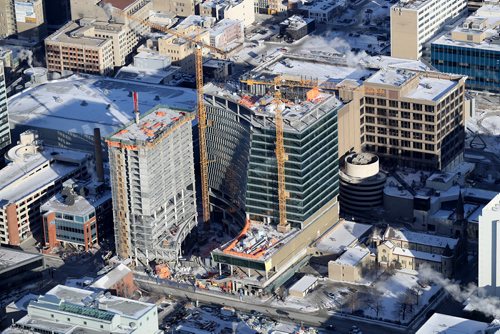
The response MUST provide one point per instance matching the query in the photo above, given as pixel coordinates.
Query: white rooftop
(304, 283)
(431, 89)
(111, 278)
(24, 176)
(353, 256)
(419, 238)
(80, 103)
(118, 305)
(10, 257)
(343, 235)
(447, 324)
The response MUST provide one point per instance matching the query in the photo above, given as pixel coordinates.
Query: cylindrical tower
(361, 183)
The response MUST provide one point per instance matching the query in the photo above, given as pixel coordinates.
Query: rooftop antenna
(136, 106)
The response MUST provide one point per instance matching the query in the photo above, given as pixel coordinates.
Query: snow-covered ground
(485, 122)
(383, 299)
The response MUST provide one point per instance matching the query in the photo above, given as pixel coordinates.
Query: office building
(227, 34)
(295, 27)
(66, 310)
(34, 174)
(414, 22)
(23, 18)
(472, 49)
(76, 48)
(181, 50)
(414, 119)
(243, 179)
(489, 248)
(153, 186)
(4, 115)
(76, 216)
(241, 10)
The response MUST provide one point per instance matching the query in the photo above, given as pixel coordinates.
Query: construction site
(153, 184)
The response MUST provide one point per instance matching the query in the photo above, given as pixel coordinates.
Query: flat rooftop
(73, 33)
(419, 238)
(391, 77)
(80, 103)
(431, 89)
(12, 258)
(343, 235)
(81, 206)
(446, 324)
(411, 4)
(113, 304)
(19, 179)
(304, 283)
(353, 256)
(151, 125)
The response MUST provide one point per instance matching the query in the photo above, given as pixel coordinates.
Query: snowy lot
(485, 122)
(390, 298)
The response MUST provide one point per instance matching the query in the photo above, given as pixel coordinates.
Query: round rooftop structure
(361, 183)
(362, 165)
(37, 75)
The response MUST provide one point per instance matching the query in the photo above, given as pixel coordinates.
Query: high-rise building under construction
(153, 185)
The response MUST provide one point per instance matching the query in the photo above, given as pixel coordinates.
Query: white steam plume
(338, 45)
(108, 8)
(27, 55)
(490, 306)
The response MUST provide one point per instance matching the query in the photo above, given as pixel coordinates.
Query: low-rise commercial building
(18, 267)
(68, 310)
(34, 174)
(295, 27)
(472, 49)
(227, 34)
(303, 286)
(77, 215)
(350, 266)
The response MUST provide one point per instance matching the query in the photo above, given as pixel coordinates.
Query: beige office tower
(414, 119)
(414, 22)
(22, 17)
(76, 48)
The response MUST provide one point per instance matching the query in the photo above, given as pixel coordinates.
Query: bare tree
(406, 303)
(375, 302)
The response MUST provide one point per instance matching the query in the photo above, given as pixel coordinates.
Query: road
(317, 319)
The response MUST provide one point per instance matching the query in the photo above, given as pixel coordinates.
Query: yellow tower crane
(281, 156)
(199, 45)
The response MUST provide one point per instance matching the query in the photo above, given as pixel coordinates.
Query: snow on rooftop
(321, 71)
(417, 254)
(431, 89)
(10, 257)
(122, 306)
(80, 103)
(343, 235)
(419, 238)
(150, 126)
(447, 324)
(304, 283)
(352, 256)
(111, 278)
